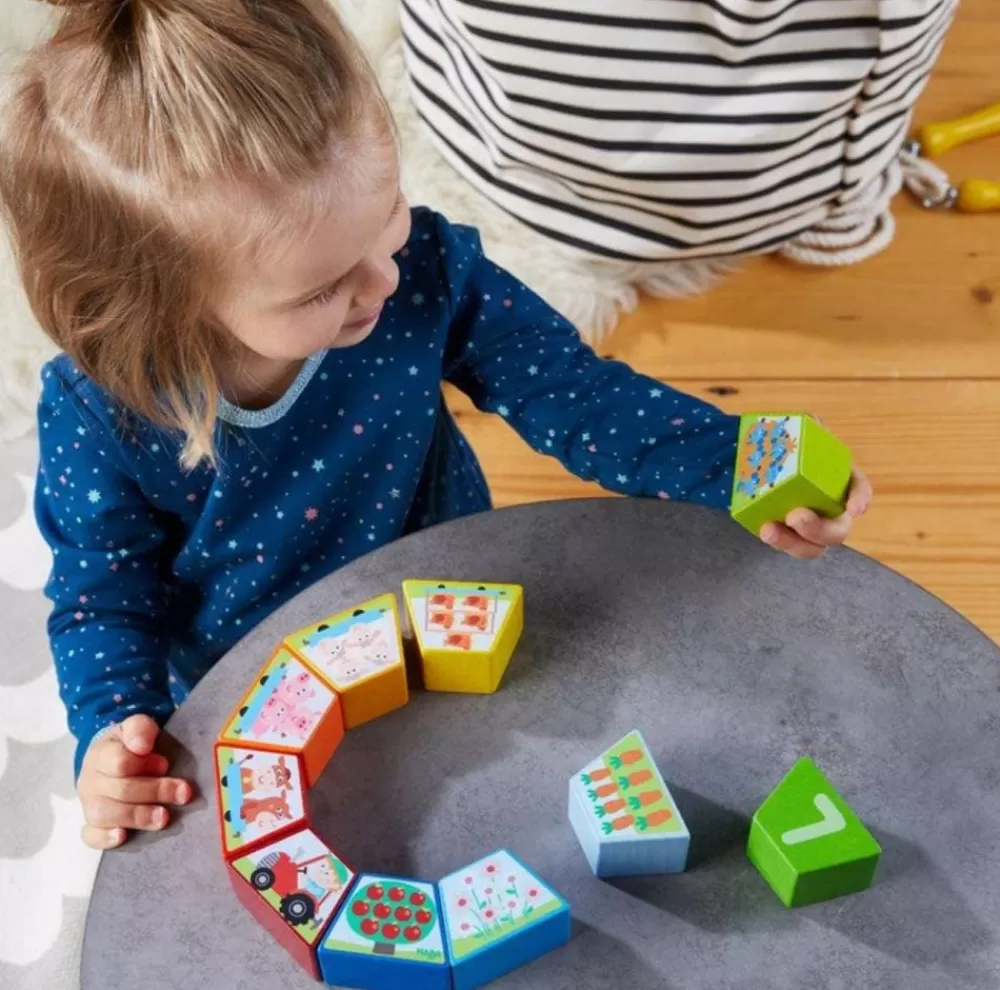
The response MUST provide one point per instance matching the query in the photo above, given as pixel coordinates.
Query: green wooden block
(787, 462)
(808, 844)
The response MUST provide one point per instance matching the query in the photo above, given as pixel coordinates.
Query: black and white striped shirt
(646, 130)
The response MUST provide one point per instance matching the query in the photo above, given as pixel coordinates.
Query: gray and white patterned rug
(46, 873)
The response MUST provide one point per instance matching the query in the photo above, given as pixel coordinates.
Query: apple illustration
(382, 911)
(403, 914)
(417, 899)
(412, 934)
(423, 916)
(390, 931)
(397, 894)
(370, 927)
(375, 892)
(360, 908)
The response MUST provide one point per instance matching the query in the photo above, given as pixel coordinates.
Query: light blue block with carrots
(497, 916)
(624, 815)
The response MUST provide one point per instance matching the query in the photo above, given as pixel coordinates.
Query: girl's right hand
(123, 785)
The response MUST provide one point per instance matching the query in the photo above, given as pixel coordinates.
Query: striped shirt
(652, 130)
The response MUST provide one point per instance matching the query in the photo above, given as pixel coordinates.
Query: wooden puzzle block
(293, 888)
(807, 843)
(499, 916)
(786, 462)
(359, 652)
(261, 797)
(288, 709)
(466, 633)
(386, 936)
(624, 815)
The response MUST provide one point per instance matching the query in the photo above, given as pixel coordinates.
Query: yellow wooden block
(466, 632)
(359, 653)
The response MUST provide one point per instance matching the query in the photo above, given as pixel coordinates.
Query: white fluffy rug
(591, 294)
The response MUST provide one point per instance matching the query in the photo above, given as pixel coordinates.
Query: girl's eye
(322, 298)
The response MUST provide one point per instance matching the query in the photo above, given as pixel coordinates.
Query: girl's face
(326, 287)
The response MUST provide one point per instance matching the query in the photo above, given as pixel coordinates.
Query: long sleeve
(107, 627)
(515, 356)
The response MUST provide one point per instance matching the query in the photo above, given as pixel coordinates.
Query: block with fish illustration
(359, 653)
(498, 916)
(387, 936)
(261, 796)
(624, 815)
(466, 633)
(807, 843)
(288, 709)
(293, 887)
(785, 462)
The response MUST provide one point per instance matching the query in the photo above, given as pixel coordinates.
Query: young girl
(204, 197)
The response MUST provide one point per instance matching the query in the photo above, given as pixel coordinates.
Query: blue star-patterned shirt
(158, 572)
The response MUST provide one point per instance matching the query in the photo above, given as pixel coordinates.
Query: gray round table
(732, 660)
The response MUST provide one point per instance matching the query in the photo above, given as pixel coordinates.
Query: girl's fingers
(787, 541)
(104, 812)
(111, 757)
(139, 733)
(815, 529)
(145, 790)
(861, 494)
(103, 838)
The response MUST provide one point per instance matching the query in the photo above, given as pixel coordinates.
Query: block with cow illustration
(261, 797)
(466, 633)
(786, 462)
(288, 709)
(293, 887)
(624, 815)
(359, 653)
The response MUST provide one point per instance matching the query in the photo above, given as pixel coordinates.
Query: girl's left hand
(806, 535)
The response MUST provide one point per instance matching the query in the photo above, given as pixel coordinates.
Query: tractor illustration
(303, 885)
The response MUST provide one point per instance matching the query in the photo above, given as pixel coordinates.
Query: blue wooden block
(624, 815)
(498, 916)
(387, 935)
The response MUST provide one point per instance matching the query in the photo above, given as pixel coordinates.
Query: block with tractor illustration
(386, 936)
(261, 797)
(359, 653)
(293, 887)
(466, 633)
(785, 462)
(807, 843)
(624, 815)
(288, 709)
(498, 916)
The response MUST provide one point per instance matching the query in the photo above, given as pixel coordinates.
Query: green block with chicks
(786, 462)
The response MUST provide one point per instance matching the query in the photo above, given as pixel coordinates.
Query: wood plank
(927, 445)
(929, 307)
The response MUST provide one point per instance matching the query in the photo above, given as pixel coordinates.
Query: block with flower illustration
(498, 916)
(625, 816)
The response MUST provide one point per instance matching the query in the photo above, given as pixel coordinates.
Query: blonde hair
(123, 132)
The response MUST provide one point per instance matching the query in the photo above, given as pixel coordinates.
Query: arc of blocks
(372, 931)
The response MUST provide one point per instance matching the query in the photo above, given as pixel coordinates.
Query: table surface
(732, 660)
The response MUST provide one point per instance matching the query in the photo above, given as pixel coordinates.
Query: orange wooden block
(358, 652)
(289, 709)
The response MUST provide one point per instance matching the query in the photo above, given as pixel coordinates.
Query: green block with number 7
(808, 844)
(786, 462)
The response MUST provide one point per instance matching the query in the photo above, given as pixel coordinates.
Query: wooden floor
(900, 356)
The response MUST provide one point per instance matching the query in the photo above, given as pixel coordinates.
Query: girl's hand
(806, 535)
(123, 784)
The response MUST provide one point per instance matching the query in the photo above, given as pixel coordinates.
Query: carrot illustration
(610, 807)
(605, 790)
(618, 825)
(603, 773)
(644, 800)
(651, 821)
(626, 759)
(635, 779)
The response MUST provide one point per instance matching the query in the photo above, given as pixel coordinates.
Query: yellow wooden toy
(466, 632)
(359, 653)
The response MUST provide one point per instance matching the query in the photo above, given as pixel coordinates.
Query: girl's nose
(380, 282)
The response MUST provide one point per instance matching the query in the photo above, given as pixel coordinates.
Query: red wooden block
(293, 887)
(261, 797)
(289, 709)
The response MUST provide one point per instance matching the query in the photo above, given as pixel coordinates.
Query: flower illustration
(465, 926)
(533, 893)
(488, 913)
(463, 902)
(468, 880)
(489, 890)
(490, 869)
